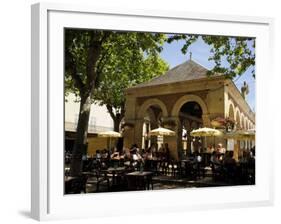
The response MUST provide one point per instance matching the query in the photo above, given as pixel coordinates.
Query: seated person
(221, 151)
(104, 154)
(253, 152)
(214, 161)
(98, 155)
(229, 165)
(136, 158)
(229, 160)
(115, 154)
(214, 158)
(210, 149)
(245, 157)
(149, 154)
(197, 158)
(122, 154)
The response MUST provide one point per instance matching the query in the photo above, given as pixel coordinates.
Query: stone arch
(151, 102)
(242, 121)
(231, 111)
(246, 123)
(150, 114)
(250, 125)
(237, 118)
(185, 99)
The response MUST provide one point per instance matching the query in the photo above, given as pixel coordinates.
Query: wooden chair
(76, 185)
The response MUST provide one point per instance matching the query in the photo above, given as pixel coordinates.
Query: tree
(232, 55)
(124, 71)
(82, 61)
(88, 58)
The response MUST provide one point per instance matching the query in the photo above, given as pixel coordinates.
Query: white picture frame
(48, 201)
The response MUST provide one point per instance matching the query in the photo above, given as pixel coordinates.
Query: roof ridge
(188, 70)
(198, 63)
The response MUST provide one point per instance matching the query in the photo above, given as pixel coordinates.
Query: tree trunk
(116, 117)
(81, 136)
(116, 124)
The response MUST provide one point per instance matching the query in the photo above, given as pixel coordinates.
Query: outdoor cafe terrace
(153, 169)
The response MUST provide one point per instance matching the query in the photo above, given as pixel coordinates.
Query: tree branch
(94, 53)
(71, 65)
(110, 111)
(99, 64)
(122, 114)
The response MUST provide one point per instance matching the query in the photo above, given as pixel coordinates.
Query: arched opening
(188, 98)
(246, 124)
(231, 112)
(152, 119)
(242, 121)
(150, 103)
(238, 123)
(190, 116)
(242, 142)
(232, 116)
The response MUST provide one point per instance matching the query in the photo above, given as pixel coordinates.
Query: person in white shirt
(221, 149)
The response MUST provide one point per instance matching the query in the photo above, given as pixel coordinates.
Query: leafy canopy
(126, 56)
(133, 59)
(232, 55)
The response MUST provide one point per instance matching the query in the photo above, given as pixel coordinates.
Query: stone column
(153, 139)
(207, 123)
(138, 132)
(173, 141)
(179, 145)
(206, 120)
(130, 116)
(128, 134)
(236, 150)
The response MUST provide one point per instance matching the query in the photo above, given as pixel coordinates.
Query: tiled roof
(189, 70)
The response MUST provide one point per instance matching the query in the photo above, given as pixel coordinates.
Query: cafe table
(116, 172)
(140, 180)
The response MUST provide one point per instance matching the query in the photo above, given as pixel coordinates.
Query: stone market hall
(183, 99)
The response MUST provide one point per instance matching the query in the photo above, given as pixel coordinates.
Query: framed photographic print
(159, 110)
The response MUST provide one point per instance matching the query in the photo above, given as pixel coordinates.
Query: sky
(200, 53)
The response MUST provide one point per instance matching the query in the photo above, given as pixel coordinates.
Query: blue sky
(200, 53)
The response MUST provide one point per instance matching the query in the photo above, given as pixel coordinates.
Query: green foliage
(127, 70)
(125, 59)
(237, 53)
(82, 53)
(131, 58)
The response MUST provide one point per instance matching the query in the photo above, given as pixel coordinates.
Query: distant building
(99, 121)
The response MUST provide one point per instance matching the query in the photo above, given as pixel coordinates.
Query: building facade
(183, 99)
(99, 121)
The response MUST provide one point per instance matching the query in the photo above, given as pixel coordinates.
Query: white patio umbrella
(241, 134)
(206, 132)
(109, 134)
(162, 132)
